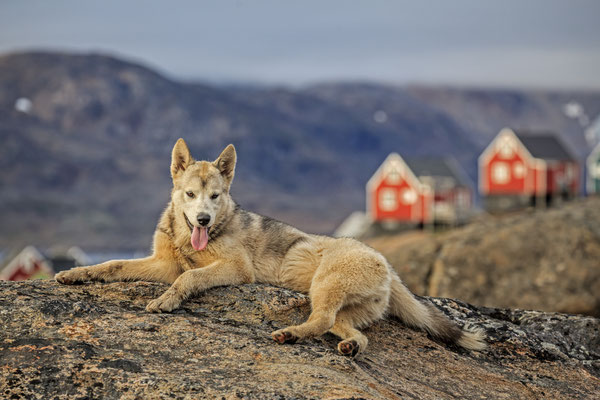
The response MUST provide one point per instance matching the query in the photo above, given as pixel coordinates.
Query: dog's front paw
(72, 276)
(165, 303)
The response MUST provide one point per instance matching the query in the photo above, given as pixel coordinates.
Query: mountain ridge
(88, 165)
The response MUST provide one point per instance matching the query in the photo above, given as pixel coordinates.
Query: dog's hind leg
(351, 281)
(325, 301)
(354, 341)
(146, 269)
(353, 316)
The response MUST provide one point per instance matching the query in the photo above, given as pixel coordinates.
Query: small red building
(28, 264)
(519, 169)
(395, 194)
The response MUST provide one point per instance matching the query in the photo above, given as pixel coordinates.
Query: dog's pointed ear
(226, 163)
(180, 158)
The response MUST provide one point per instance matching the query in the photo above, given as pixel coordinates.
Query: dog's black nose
(203, 219)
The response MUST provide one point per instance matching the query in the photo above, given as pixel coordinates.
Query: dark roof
(546, 146)
(63, 263)
(438, 167)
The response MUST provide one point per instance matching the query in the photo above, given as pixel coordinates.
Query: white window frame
(388, 199)
(500, 173)
(409, 196)
(393, 176)
(519, 170)
(506, 148)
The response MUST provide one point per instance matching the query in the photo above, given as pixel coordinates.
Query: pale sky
(517, 43)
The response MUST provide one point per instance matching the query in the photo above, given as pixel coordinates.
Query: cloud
(532, 43)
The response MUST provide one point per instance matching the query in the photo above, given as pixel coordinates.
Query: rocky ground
(96, 341)
(544, 260)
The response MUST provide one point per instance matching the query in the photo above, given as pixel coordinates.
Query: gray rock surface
(95, 341)
(544, 260)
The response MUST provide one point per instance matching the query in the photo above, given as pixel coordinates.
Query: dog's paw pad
(349, 348)
(156, 306)
(152, 307)
(164, 304)
(282, 337)
(66, 278)
(64, 281)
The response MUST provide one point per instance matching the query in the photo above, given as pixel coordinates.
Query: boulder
(545, 260)
(96, 341)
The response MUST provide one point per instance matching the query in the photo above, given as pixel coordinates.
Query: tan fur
(350, 285)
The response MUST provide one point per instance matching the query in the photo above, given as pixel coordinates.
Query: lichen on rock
(96, 341)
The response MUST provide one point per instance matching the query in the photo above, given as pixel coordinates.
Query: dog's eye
(190, 194)
(214, 196)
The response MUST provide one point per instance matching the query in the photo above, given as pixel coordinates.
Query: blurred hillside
(88, 163)
(542, 260)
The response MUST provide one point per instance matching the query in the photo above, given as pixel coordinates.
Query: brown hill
(96, 341)
(545, 260)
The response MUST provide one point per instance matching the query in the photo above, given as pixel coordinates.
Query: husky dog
(204, 239)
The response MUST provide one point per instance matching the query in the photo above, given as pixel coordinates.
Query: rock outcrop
(544, 260)
(95, 341)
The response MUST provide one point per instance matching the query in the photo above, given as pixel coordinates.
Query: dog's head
(201, 189)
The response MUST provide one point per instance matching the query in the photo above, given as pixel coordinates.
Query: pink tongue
(199, 238)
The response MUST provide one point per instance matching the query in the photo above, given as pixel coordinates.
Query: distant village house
(30, 263)
(419, 191)
(518, 169)
(395, 195)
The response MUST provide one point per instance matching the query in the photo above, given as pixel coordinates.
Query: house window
(506, 149)
(388, 200)
(518, 170)
(409, 196)
(393, 176)
(595, 172)
(500, 173)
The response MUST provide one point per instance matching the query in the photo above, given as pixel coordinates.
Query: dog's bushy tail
(414, 313)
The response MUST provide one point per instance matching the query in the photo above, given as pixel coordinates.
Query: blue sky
(535, 43)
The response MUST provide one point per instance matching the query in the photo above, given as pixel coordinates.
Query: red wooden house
(396, 195)
(28, 264)
(519, 169)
